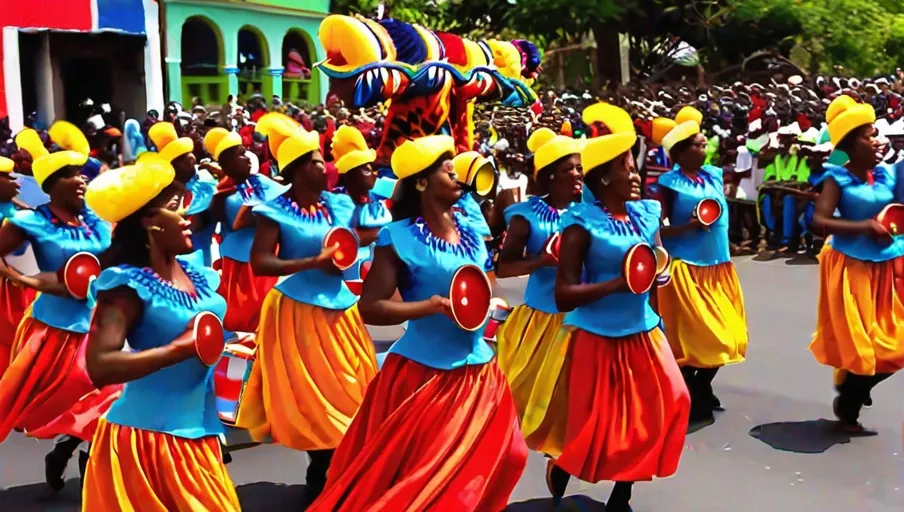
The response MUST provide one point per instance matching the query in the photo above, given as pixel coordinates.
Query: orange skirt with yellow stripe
(428, 439)
(620, 409)
(134, 470)
(312, 368)
(860, 315)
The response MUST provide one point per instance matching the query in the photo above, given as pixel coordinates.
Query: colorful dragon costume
(431, 80)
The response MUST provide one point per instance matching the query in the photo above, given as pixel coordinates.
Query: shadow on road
(577, 503)
(34, 497)
(812, 436)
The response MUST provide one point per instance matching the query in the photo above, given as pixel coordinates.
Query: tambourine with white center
(347, 253)
(78, 273)
(552, 246)
(708, 211)
(892, 218)
(209, 338)
(470, 294)
(663, 266)
(640, 268)
(499, 313)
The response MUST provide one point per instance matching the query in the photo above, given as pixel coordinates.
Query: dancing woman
(626, 406)
(527, 348)
(314, 354)
(14, 299)
(200, 187)
(46, 391)
(357, 179)
(438, 429)
(244, 291)
(146, 457)
(860, 315)
(702, 307)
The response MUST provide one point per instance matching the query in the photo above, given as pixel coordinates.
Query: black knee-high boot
(853, 392)
(315, 479)
(56, 461)
(705, 377)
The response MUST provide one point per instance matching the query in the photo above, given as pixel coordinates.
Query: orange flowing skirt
(860, 315)
(620, 409)
(312, 368)
(134, 470)
(428, 439)
(46, 390)
(244, 293)
(14, 301)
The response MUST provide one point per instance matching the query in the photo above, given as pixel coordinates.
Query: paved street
(798, 466)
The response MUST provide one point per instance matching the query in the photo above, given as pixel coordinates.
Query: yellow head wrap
(548, 148)
(417, 155)
(6, 165)
(350, 149)
(661, 127)
(75, 151)
(30, 141)
(288, 141)
(118, 193)
(212, 138)
(689, 113)
(600, 150)
(681, 132)
(847, 117)
(839, 105)
(169, 145)
(615, 118)
(476, 171)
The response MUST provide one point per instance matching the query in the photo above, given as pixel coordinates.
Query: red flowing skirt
(244, 293)
(627, 408)
(14, 300)
(428, 439)
(46, 390)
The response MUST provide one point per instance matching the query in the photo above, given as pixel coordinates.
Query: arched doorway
(299, 79)
(252, 60)
(203, 80)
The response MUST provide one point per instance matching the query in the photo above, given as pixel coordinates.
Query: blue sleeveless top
(301, 235)
(202, 187)
(54, 242)
(544, 220)
(624, 313)
(370, 215)
(700, 248)
(256, 190)
(430, 262)
(177, 400)
(861, 201)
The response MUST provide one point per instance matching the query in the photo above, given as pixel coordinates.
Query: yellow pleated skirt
(860, 315)
(134, 470)
(312, 368)
(531, 355)
(704, 316)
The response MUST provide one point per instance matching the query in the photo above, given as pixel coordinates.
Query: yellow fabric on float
(313, 366)
(704, 316)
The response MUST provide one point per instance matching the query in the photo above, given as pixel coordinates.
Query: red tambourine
(499, 312)
(552, 246)
(892, 218)
(78, 273)
(356, 286)
(708, 211)
(209, 338)
(347, 254)
(470, 294)
(663, 259)
(639, 268)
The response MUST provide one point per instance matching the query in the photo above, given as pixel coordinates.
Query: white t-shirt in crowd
(506, 182)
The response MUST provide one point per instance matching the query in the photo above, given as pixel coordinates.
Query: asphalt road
(796, 465)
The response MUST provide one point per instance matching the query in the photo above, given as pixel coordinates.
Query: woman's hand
(324, 260)
(876, 231)
(440, 304)
(696, 224)
(619, 284)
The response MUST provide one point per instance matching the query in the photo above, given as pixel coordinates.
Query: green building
(214, 48)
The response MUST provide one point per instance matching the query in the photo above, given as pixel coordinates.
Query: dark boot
(556, 481)
(82, 466)
(56, 461)
(620, 498)
(315, 479)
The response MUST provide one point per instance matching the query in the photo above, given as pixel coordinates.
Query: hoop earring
(420, 187)
(152, 229)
